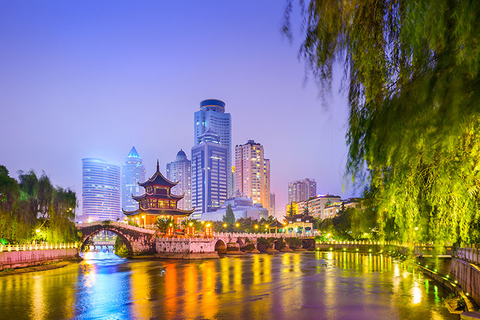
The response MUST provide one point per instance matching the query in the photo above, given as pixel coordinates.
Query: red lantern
(209, 231)
(191, 231)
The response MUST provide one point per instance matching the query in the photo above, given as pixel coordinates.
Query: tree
(412, 73)
(163, 224)
(306, 212)
(291, 209)
(229, 217)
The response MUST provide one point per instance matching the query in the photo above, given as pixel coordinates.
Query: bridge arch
(90, 234)
(221, 246)
(137, 240)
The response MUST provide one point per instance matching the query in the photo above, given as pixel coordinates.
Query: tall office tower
(252, 173)
(133, 172)
(302, 190)
(272, 204)
(209, 174)
(180, 170)
(212, 116)
(100, 190)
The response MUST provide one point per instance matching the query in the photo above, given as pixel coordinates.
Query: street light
(224, 225)
(237, 225)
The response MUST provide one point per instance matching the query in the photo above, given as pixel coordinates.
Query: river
(305, 285)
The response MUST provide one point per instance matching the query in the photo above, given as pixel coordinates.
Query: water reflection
(332, 285)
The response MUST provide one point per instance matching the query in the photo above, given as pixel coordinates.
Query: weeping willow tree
(411, 69)
(33, 209)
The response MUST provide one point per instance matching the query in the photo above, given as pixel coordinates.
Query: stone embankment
(185, 248)
(22, 259)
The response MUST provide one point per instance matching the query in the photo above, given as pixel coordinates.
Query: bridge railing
(40, 246)
(186, 239)
(258, 235)
(115, 224)
(470, 253)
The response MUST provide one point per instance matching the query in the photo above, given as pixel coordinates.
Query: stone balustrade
(114, 224)
(35, 247)
(470, 254)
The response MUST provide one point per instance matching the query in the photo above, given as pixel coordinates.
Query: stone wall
(20, 259)
(468, 277)
(176, 245)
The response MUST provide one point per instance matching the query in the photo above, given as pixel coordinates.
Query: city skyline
(72, 97)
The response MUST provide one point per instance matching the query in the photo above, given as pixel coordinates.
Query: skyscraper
(180, 170)
(209, 174)
(272, 204)
(252, 173)
(100, 190)
(302, 190)
(212, 116)
(133, 172)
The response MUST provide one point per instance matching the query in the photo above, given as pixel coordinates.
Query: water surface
(307, 285)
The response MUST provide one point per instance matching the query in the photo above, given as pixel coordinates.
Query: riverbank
(43, 267)
(446, 282)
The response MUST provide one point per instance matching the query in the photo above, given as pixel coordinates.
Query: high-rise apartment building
(252, 173)
(272, 204)
(100, 190)
(133, 172)
(209, 174)
(212, 116)
(302, 190)
(180, 170)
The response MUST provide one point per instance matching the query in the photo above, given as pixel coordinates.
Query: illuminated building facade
(302, 190)
(133, 172)
(212, 116)
(180, 170)
(252, 173)
(209, 174)
(316, 206)
(157, 201)
(100, 190)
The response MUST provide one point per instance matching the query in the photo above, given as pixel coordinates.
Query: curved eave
(130, 213)
(158, 179)
(157, 196)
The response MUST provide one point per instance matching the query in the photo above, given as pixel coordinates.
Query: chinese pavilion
(157, 202)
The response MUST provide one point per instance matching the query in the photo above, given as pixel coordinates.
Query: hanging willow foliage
(412, 74)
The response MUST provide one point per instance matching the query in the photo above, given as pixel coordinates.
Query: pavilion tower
(157, 202)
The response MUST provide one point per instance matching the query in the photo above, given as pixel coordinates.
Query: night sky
(85, 79)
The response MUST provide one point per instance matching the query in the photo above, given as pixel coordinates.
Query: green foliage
(306, 212)
(294, 243)
(412, 70)
(120, 247)
(34, 204)
(461, 304)
(133, 223)
(229, 217)
(163, 224)
(291, 210)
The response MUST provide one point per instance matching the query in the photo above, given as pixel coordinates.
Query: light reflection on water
(332, 285)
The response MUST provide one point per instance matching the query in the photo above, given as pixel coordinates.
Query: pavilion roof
(158, 179)
(276, 224)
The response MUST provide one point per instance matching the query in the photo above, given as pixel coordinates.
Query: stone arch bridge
(138, 240)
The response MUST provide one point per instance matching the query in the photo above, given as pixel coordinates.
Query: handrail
(35, 247)
(115, 224)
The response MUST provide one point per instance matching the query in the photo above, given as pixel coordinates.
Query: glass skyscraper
(100, 190)
(133, 172)
(209, 174)
(212, 116)
(180, 170)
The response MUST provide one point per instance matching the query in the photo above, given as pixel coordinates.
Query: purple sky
(91, 78)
